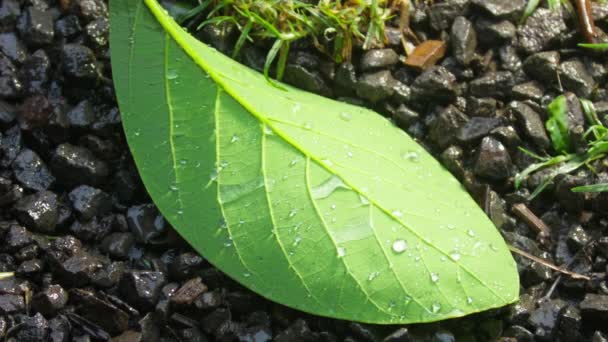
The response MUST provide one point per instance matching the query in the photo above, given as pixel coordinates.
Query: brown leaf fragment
(426, 54)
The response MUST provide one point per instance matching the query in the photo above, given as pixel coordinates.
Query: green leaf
(601, 187)
(595, 46)
(319, 205)
(557, 125)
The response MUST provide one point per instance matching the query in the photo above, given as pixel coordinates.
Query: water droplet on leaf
(399, 246)
(434, 277)
(435, 307)
(345, 116)
(341, 252)
(172, 74)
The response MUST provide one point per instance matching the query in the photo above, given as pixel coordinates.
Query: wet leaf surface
(319, 205)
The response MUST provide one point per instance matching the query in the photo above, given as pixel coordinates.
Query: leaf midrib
(175, 31)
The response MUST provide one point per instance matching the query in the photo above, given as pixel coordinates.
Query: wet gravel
(94, 260)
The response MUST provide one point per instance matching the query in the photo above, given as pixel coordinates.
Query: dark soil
(94, 260)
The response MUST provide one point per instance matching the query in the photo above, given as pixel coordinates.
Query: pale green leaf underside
(312, 203)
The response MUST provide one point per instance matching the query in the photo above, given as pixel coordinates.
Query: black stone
(477, 127)
(117, 245)
(91, 230)
(141, 288)
(493, 84)
(531, 90)
(12, 47)
(573, 202)
(543, 66)
(78, 269)
(544, 319)
(76, 165)
(306, 79)
(89, 201)
(68, 27)
(463, 39)
(104, 313)
(82, 116)
(31, 329)
(575, 77)
(378, 59)
(97, 32)
(594, 309)
(445, 127)
(38, 211)
(145, 222)
(541, 30)
(493, 160)
(375, 86)
(36, 26)
(31, 172)
(531, 123)
(436, 84)
(49, 301)
(79, 64)
(493, 32)
(501, 9)
(443, 13)
(34, 74)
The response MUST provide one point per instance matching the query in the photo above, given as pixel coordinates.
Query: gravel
(94, 259)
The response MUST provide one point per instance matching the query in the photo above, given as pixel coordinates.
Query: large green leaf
(312, 203)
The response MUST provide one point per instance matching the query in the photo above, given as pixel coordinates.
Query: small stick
(548, 264)
(586, 20)
(524, 213)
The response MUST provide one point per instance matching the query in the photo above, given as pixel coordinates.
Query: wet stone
(89, 201)
(141, 288)
(484, 107)
(89, 9)
(11, 303)
(531, 123)
(188, 292)
(297, 331)
(379, 59)
(493, 84)
(464, 40)
(442, 14)
(10, 86)
(7, 114)
(36, 26)
(399, 335)
(35, 328)
(82, 116)
(570, 321)
(542, 29)
(50, 300)
(531, 90)
(97, 32)
(544, 318)
(67, 27)
(493, 160)
(436, 84)
(375, 86)
(77, 165)
(405, 116)
(12, 47)
(9, 12)
(519, 333)
(34, 112)
(117, 245)
(16, 238)
(346, 76)
(573, 202)
(575, 77)
(308, 80)
(29, 268)
(444, 128)
(208, 300)
(91, 230)
(185, 265)
(501, 9)
(79, 64)
(78, 269)
(220, 36)
(594, 309)
(59, 329)
(31, 172)
(100, 311)
(492, 32)
(38, 211)
(145, 222)
(543, 66)
(34, 73)
(477, 127)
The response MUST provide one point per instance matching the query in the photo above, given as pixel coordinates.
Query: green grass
(334, 27)
(567, 161)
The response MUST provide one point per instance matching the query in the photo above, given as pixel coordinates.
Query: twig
(6, 275)
(586, 20)
(548, 264)
(525, 214)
